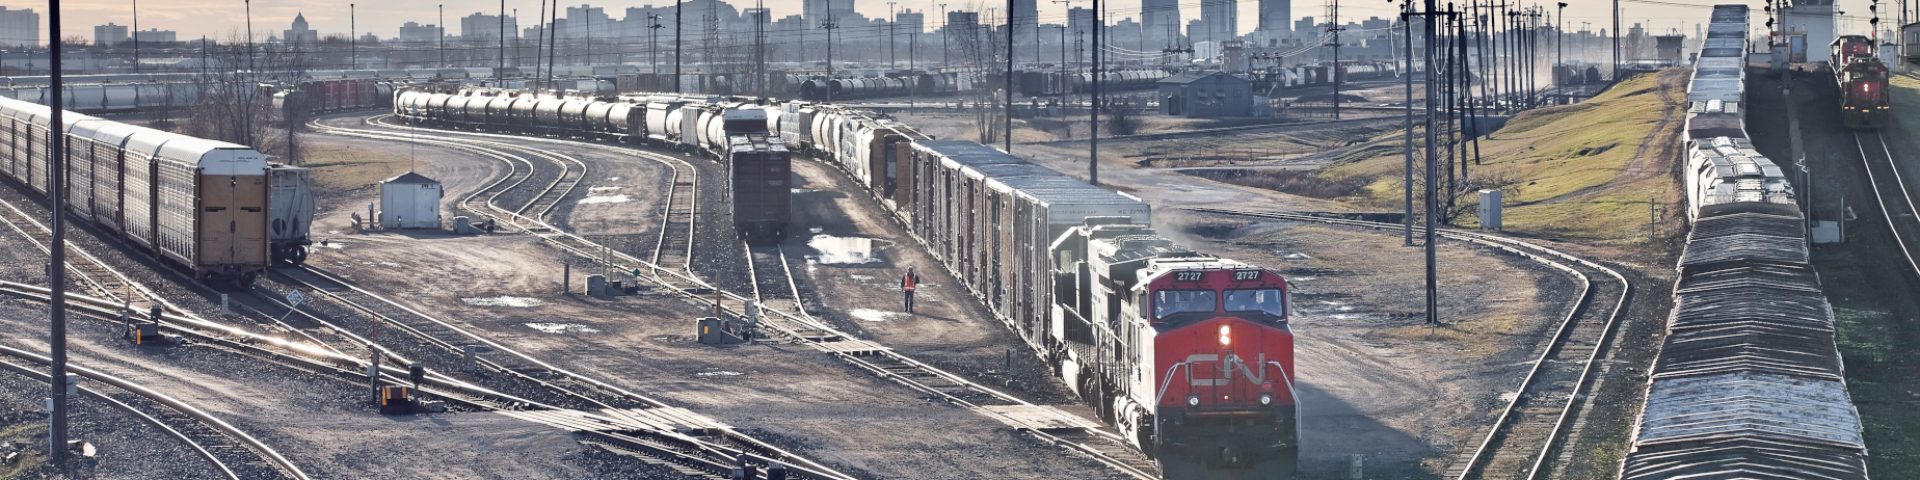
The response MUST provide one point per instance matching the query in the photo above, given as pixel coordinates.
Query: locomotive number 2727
(1246, 275)
(1188, 276)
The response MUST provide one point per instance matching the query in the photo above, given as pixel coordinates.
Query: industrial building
(1206, 95)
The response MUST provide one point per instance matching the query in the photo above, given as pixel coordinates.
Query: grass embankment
(350, 168)
(1585, 171)
(1876, 334)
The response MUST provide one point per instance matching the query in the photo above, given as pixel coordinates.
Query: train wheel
(1143, 432)
(297, 255)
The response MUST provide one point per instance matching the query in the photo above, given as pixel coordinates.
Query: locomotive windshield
(1264, 300)
(1171, 302)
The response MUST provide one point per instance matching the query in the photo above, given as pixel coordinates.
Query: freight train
(1748, 382)
(1865, 103)
(199, 204)
(303, 100)
(112, 97)
(1190, 354)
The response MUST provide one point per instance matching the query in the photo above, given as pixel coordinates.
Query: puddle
(871, 315)
(562, 328)
(845, 250)
(522, 302)
(722, 373)
(592, 199)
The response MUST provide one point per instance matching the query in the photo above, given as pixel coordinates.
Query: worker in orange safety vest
(907, 284)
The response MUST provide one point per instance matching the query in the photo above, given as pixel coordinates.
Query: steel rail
(267, 453)
(789, 323)
(1483, 452)
(1899, 182)
(197, 447)
(542, 229)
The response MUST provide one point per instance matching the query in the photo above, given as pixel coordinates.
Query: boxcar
(759, 172)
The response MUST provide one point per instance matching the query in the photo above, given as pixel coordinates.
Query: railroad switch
(148, 334)
(719, 331)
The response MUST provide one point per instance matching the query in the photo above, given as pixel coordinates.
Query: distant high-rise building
(300, 34)
(1080, 20)
(1161, 20)
(1221, 19)
(1025, 15)
(155, 35)
(910, 21)
(482, 27)
(1274, 15)
(19, 28)
(415, 33)
(109, 35)
(817, 11)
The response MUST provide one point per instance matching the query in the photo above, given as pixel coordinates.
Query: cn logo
(1222, 371)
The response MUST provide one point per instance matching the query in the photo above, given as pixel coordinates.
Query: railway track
(92, 273)
(710, 450)
(781, 314)
(1892, 194)
(231, 451)
(1525, 440)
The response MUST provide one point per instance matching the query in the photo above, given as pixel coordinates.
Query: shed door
(1175, 106)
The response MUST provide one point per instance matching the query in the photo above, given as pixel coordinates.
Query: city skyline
(192, 19)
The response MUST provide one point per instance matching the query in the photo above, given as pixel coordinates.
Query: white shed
(410, 200)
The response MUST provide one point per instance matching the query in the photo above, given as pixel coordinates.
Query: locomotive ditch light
(1266, 399)
(1193, 400)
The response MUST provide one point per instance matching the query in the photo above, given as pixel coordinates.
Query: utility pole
(893, 18)
(501, 66)
(653, 44)
(1334, 28)
(829, 26)
(678, 6)
(1008, 131)
(1093, 137)
(1616, 40)
(1560, 38)
(1433, 290)
(540, 46)
(353, 37)
(1406, 22)
(136, 36)
(553, 40)
(441, 29)
(945, 32)
(57, 262)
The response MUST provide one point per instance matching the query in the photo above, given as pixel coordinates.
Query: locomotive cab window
(1170, 302)
(1264, 300)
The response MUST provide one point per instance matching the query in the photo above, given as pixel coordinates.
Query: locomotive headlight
(1193, 400)
(1226, 335)
(1266, 399)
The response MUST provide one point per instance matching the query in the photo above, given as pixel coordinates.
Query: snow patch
(591, 199)
(871, 315)
(562, 328)
(722, 373)
(503, 301)
(844, 250)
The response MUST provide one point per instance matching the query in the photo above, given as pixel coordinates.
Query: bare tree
(236, 99)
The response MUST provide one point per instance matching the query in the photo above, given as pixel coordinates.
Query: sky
(193, 18)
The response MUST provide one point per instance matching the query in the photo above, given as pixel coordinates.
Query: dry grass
(342, 168)
(1578, 166)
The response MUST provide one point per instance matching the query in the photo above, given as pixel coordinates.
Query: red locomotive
(1864, 102)
(1849, 47)
(1189, 353)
